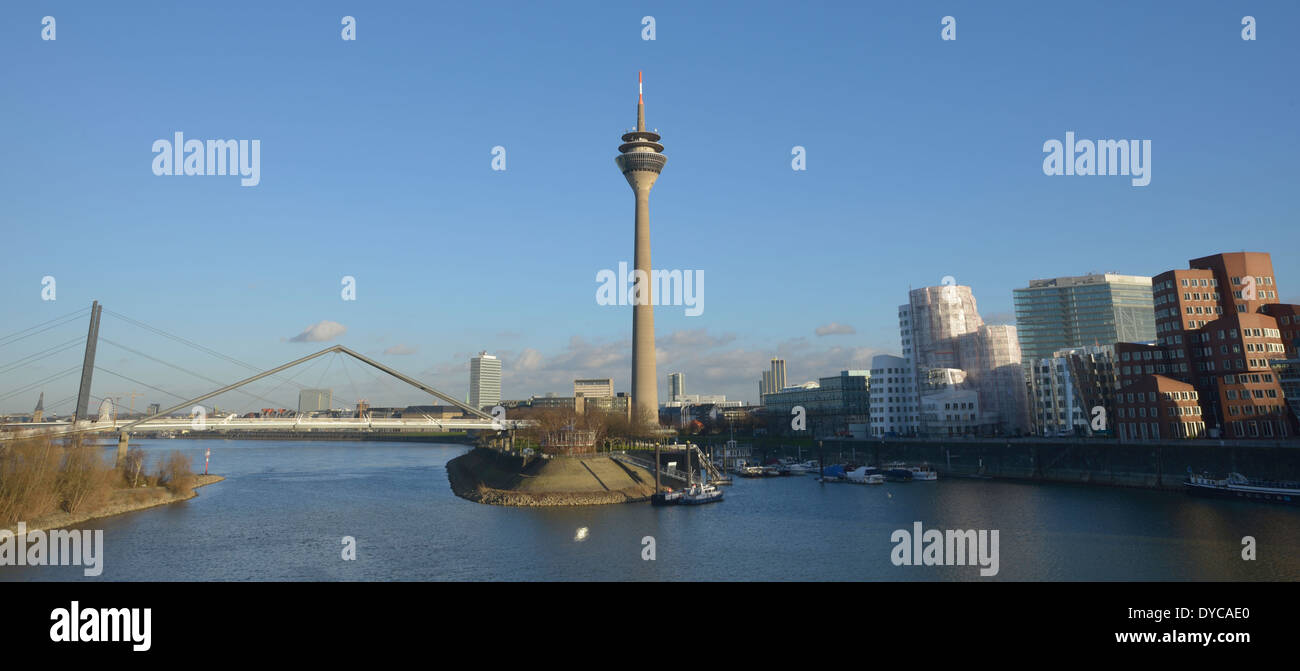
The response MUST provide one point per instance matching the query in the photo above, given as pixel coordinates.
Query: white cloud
(835, 328)
(320, 332)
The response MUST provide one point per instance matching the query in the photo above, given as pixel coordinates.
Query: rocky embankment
(486, 476)
(122, 501)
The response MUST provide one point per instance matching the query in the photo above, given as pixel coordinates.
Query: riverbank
(370, 437)
(486, 476)
(1098, 462)
(122, 501)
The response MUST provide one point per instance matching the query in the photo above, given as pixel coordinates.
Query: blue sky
(923, 160)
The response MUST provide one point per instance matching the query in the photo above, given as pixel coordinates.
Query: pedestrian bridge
(194, 418)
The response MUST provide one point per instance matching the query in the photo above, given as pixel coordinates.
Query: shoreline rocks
(472, 476)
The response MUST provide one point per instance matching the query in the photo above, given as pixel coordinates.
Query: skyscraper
(641, 160)
(1089, 310)
(778, 374)
(676, 386)
(484, 381)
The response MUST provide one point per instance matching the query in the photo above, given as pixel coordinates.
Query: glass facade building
(1070, 312)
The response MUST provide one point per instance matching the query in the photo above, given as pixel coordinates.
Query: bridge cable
(355, 394)
(37, 356)
(385, 382)
(185, 341)
(184, 370)
(16, 336)
(290, 379)
(61, 402)
(40, 382)
(331, 358)
(143, 384)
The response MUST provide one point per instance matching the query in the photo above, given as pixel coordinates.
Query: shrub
(29, 471)
(175, 473)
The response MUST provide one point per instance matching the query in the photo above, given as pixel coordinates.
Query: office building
(1089, 310)
(676, 386)
(893, 397)
(484, 381)
(778, 374)
(1066, 388)
(1217, 337)
(940, 328)
(313, 400)
(830, 405)
(594, 388)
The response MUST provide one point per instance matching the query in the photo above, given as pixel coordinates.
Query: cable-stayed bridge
(195, 417)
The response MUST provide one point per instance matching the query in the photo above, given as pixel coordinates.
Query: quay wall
(1152, 465)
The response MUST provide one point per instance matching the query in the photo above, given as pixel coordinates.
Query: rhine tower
(641, 159)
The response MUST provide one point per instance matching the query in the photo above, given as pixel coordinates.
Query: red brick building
(1159, 407)
(1288, 321)
(1218, 327)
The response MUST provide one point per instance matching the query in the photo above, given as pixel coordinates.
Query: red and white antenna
(639, 88)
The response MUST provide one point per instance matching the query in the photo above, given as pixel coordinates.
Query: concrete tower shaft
(641, 160)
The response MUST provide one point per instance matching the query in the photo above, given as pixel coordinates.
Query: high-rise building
(154, 408)
(484, 381)
(778, 374)
(1217, 336)
(676, 386)
(940, 327)
(765, 386)
(314, 400)
(641, 159)
(1089, 310)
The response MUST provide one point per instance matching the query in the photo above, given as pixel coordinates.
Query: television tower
(641, 159)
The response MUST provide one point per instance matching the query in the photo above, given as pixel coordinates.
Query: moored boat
(666, 498)
(700, 494)
(833, 473)
(1238, 486)
(866, 475)
(923, 473)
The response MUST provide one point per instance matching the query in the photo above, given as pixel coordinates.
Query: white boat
(804, 468)
(865, 475)
(1238, 486)
(923, 473)
(699, 494)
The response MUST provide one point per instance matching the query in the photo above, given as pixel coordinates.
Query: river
(285, 507)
